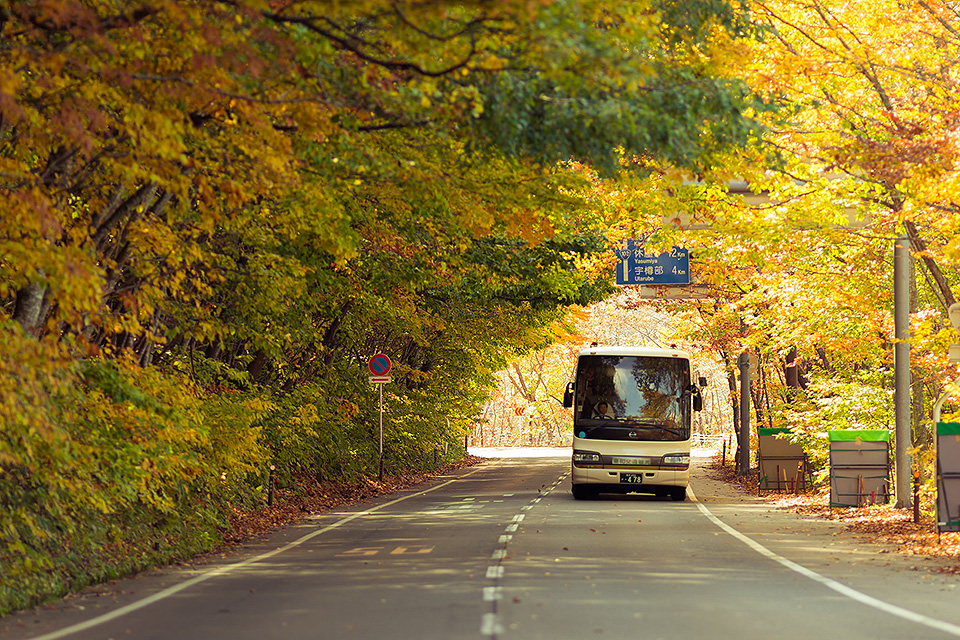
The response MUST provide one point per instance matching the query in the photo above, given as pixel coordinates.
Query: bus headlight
(586, 458)
(676, 460)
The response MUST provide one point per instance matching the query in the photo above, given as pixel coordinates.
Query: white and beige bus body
(631, 421)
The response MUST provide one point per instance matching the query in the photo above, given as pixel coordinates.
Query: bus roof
(634, 351)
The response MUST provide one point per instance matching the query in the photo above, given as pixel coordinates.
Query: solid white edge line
(842, 589)
(219, 571)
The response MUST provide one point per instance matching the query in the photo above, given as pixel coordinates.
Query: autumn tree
(214, 213)
(800, 262)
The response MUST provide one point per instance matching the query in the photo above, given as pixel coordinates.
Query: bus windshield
(628, 397)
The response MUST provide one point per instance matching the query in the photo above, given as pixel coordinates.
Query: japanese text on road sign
(635, 266)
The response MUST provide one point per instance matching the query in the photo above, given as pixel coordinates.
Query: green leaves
(214, 213)
(640, 83)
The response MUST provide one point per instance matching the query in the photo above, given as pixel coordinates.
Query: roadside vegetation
(799, 263)
(214, 214)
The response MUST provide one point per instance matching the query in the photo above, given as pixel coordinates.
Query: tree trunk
(256, 366)
(792, 369)
(329, 340)
(212, 352)
(146, 354)
(734, 396)
(824, 359)
(29, 306)
(520, 384)
(920, 248)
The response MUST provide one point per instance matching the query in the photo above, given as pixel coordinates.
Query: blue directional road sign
(635, 266)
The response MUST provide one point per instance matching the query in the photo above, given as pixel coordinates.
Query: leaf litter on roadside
(878, 524)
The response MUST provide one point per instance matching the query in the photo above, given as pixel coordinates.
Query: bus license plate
(631, 478)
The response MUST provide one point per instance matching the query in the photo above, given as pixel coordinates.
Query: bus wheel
(583, 492)
(678, 494)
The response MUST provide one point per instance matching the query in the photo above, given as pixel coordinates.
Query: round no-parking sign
(379, 365)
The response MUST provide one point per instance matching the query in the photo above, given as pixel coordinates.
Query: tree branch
(920, 248)
(311, 24)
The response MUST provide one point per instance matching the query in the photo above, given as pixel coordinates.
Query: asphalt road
(503, 551)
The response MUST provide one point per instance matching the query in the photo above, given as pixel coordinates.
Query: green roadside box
(948, 476)
(783, 464)
(859, 467)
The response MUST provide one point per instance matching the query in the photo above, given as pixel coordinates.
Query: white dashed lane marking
(490, 625)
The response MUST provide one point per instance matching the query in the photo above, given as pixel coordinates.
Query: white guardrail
(709, 441)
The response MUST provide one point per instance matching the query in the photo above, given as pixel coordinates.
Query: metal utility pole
(901, 360)
(743, 363)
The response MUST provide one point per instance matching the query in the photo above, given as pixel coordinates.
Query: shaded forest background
(213, 214)
(525, 408)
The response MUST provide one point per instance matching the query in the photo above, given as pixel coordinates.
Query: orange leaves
(529, 225)
(873, 82)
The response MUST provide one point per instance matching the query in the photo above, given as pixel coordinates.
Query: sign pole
(380, 476)
(379, 366)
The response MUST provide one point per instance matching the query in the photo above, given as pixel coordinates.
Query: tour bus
(631, 421)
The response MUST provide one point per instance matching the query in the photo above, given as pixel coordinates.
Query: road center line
(842, 589)
(223, 570)
(490, 626)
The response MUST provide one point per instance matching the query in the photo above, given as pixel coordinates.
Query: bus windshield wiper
(650, 423)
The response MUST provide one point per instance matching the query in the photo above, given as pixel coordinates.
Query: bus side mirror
(702, 382)
(697, 401)
(568, 395)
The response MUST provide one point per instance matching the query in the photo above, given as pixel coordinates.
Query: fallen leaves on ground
(879, 524)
